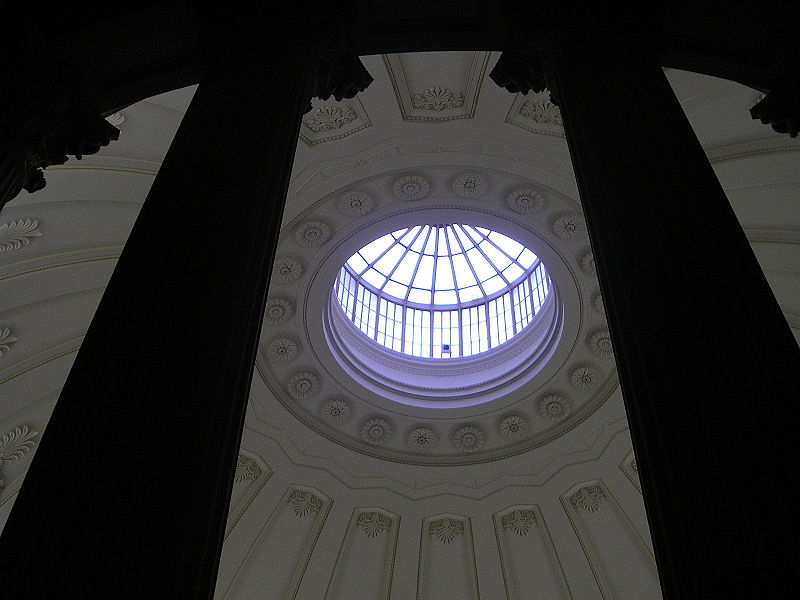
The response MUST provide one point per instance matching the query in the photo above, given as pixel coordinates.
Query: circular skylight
(442, 291)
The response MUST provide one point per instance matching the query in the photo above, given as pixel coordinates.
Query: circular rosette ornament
(468, 439)
(336, 411)
(470, 185)
(422, 439)
(513, 427)
(278, 311)
(411, 187)
(585, 378)
(525, 201)
(356, 204)
(284, 350)
(569, 227)
(600, 343)
(303, 385)
(554, 407)
(312, 234)
(376, 432)
(287, 270)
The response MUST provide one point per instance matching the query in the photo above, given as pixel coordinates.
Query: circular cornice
(340, 399)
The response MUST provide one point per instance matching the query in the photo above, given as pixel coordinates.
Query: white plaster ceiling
(314, 517)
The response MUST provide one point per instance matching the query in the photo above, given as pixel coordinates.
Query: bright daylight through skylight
(442, 291)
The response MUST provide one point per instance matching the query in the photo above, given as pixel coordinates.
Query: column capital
(47, 115)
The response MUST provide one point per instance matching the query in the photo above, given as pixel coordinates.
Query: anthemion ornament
(336, 411)
(468, 438)
(525, 201)
(16, 443)
(373, 523)
(5, 339)
(356, 204)
(15, 234)
(287, 270)
(312, 234)
(598, 304)
(376, 432)
(469, 185)
(584, 378)
(303, 385)
(588, 498)
(542, 111)
(246, 469)
(600, 343)
(587, 263)
(278, 311)
(411, 187)
(519, 521)
(513, 427)
(422, 439)
(553, 407)
(438, 98)
(326, 118)
(569, 227)
(283, 350)
(446, 530)
(303, 502)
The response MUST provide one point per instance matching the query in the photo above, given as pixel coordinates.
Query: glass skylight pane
(419, 296)
(444, 274)
(357, 263)
(374, 249)
(387, 262)
(462, 253)
(424, 277)
(448, 297)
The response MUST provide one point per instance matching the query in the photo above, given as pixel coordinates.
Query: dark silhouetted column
(706, 360)
(128, 493)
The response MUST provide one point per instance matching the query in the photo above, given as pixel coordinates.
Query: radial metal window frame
(442, 330)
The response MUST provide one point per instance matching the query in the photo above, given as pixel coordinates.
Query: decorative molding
(15, 234)
(513, 427)
(330, 120)
(356, 204)
(247, 469)
(325, 118)
(438, 98)
(336, 411)
(376, 431)
(312, 234)
(569, 227)
(600, 344)
(535, 112)
(541, 110)
(278, 311)
(599, 304)
(519, 521)
(16, 443)
(303, 503)
(284, 350)
(554, 407)
(585, 378)
(116, 119)
(418, 100)
(422, 439)
(411, 187)
(6, 338)
(303, 385)
(372, 524)
(446, 530)
(287, 270)
(525, 201)
(468, 438)
(588, 498)
(470, 185)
